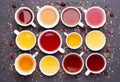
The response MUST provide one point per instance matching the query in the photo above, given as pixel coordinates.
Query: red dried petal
(111, 14)
(105, 73)
(110, 32)
(108, 48)
(39, 29)
(63, 4)
(14, 6)
(62, 29)
(11, 43)
(60, 70)
(11, 56)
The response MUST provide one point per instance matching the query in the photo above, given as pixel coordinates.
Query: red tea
(50, 41)
(25, 16)
(71, 16)
(72, 63)
(95, 62)
(95, 17)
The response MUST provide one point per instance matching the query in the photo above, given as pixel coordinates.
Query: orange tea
(26, 63)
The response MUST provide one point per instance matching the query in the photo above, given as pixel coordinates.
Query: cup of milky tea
(71, 17)
(47, 16)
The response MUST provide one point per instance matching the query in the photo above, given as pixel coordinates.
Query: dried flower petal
(11, 43)
(11, 55)
(105, 73)
(60, 56)
(84, 29)
(14, 6)
(110, 13)
(63, 4)
(39, 29)
(60, 70)
(110, 32)
(107, 5)
(10, 26)
(62, 29)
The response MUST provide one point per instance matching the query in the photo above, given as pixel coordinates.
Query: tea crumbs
(10, 26)
(108, 47)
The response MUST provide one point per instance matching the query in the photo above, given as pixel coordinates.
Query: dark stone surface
(9, 50)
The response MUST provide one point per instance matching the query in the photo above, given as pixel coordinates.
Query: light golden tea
(49, 65)
(95, 40)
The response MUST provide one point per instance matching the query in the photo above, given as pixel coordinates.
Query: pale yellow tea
(95, 40)
(49, 65)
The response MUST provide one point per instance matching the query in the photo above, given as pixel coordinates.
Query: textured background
(9, 50)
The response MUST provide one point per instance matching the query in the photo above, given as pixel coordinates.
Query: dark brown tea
(73, 63)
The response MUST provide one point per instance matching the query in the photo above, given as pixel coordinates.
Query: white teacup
(49, 65)
(93, 60)
(21, 35)
(75, 11)
(22, 63)
(92, 9)
(95, 40)
(30, 12)
(50, 42)
(73, 38)
(43, 9)
(69, 63)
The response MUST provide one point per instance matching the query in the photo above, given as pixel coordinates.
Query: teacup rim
(45, 51)
(16, 17)
(96, 72)
(17, 68)
(19, 45)
(80, 68)
(42, 24)
(101, 46)
(95, 27)
(48, 68)
(72, 8)
(79, 36)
